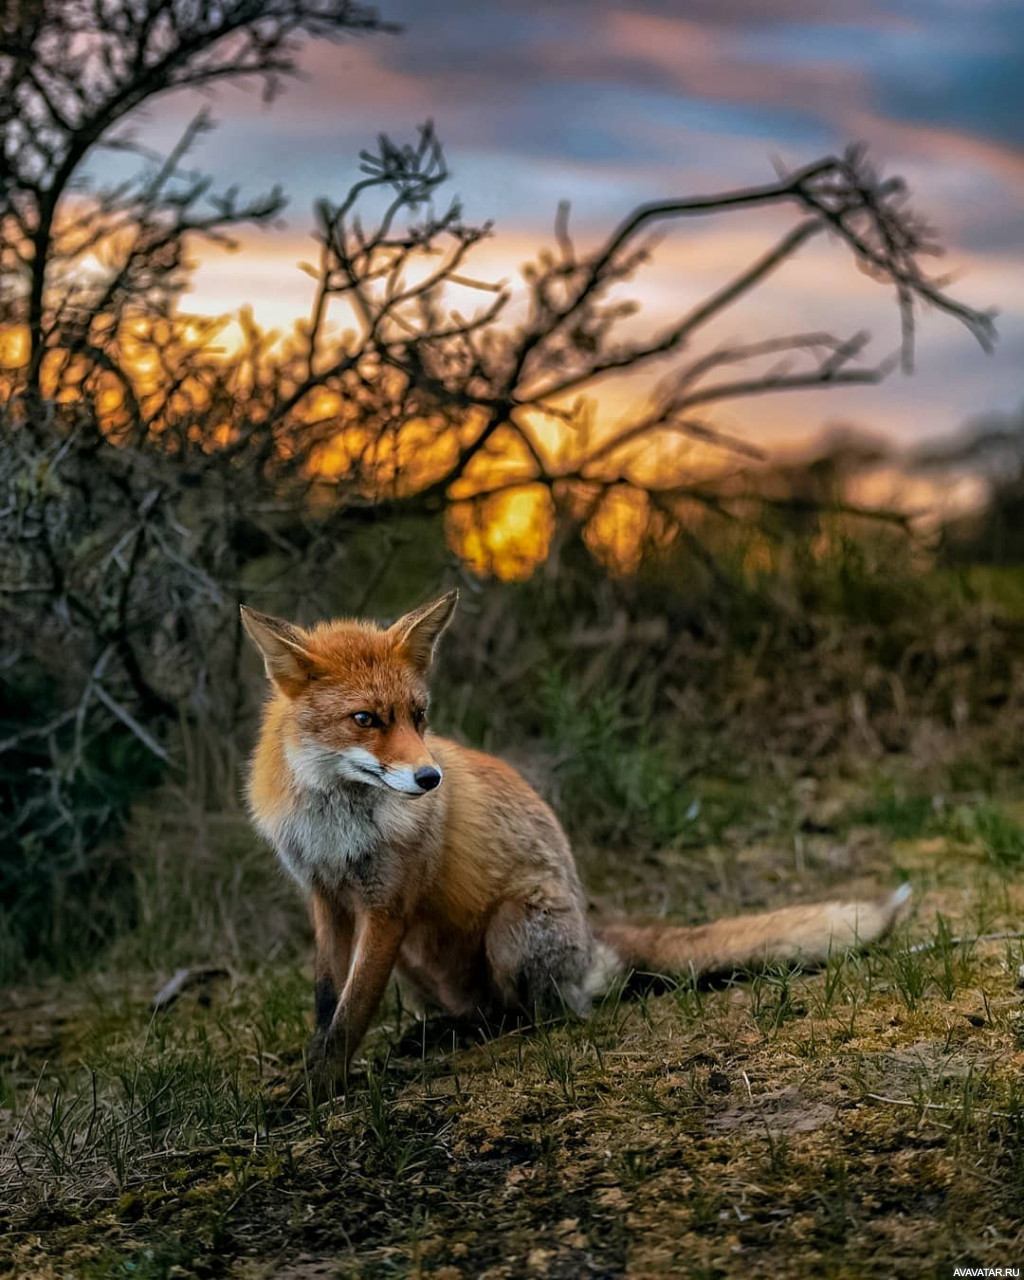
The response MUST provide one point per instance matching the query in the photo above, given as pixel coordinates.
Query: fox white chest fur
(335, 832)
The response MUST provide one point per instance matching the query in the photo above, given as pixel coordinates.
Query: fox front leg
(333, 927)
(378, 939)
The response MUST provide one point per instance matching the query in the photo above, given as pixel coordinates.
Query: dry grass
(862, 1120)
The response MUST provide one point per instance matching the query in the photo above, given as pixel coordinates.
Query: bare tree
(71, 73)
(569, 343)
(98, 568)
(428, 403)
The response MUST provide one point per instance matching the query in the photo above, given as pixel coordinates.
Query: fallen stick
(184, 979)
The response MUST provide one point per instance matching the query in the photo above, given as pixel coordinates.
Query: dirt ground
(866, 1119)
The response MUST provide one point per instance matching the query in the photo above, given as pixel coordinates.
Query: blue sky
(609, 104)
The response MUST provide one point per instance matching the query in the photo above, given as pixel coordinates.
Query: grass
(981, 825)
(864, 1119)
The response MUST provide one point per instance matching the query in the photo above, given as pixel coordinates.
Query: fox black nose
(428, 777)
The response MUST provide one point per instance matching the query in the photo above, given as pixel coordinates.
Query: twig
(131, 723)
(934, 1106)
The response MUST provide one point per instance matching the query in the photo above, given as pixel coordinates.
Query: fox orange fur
(441, 864)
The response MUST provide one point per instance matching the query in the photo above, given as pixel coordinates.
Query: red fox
(441, 864)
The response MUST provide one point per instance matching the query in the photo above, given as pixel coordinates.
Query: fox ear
(417, 633)
(288, 662)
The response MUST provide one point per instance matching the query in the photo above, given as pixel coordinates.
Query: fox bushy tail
(808, 934)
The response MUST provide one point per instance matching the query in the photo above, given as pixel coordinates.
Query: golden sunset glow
(499, 519)
(507, 535)
(13, 347)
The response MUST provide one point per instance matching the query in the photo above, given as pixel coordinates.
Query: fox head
(353, 696)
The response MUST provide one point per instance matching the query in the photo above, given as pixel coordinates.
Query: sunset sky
(610, 105)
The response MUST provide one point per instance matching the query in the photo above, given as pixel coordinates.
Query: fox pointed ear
(417, 633)
(287, 659)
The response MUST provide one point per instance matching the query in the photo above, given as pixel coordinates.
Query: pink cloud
(701, 61)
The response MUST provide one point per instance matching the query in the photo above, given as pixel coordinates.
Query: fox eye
(365, 719)
(419, 716)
